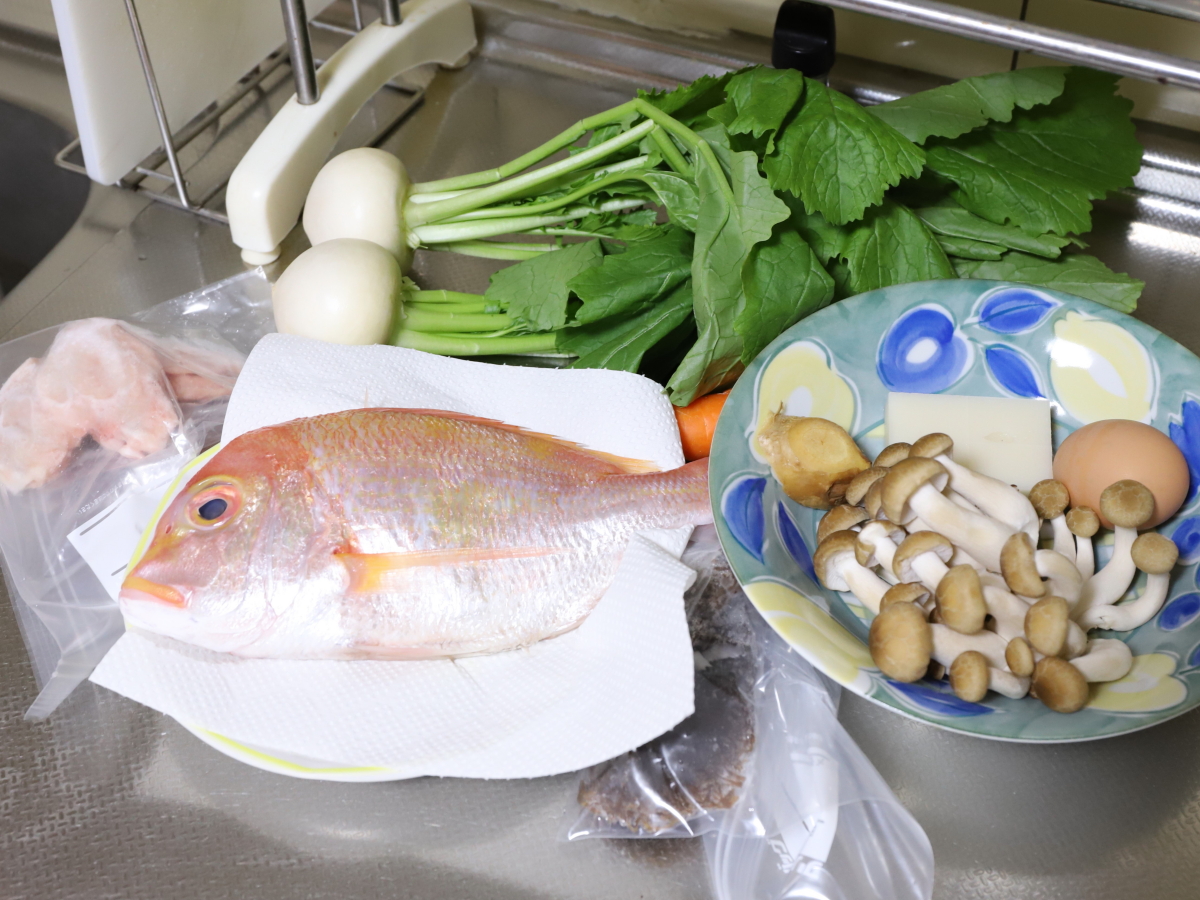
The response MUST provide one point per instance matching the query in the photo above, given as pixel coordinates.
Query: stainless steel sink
(39, 202)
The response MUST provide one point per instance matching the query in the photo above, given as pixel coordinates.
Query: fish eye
(212, 509)
(213, 505)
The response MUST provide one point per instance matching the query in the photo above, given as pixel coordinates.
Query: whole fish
(397, 534)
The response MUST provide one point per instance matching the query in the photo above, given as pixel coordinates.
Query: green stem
(441, 297)
(671, 153)
(463, 231)
(537, 154)
(494, 249)
(420, 320)
(457, 345)
(470, 308)
(515, 187)
(495, 212)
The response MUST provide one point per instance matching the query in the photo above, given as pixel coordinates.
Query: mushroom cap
(960, 601)
(841, 518)
(1127, 503)
(1019, 656)
(904, 479)
(905, 592)
(913, 546)
(831, 554)
(1059, 685)
(857, 488)
(892, 454)
(969, 676)
(901, 641)
(1046, 625)
(1019, 566)
(873, 501)
(932, 445)
(864, 549)
(1154, 554)
(1083, 521)
(1049, 498)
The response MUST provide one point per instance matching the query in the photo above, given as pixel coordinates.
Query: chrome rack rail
(1022, 36)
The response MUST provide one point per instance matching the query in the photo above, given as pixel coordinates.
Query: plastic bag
(119, 410)
(807, 815)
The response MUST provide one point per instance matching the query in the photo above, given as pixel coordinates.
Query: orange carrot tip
(697, 424)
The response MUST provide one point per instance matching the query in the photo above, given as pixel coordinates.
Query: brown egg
(1101, 453)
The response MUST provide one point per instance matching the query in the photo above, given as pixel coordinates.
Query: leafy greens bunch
(782, 195)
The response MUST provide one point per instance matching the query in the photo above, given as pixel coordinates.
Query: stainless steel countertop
(110, 799)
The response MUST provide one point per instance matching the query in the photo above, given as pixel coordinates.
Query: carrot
(697, 423)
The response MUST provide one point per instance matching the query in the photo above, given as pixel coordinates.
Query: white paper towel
(623, 677)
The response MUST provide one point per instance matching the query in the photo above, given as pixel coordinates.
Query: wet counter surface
(110, 799)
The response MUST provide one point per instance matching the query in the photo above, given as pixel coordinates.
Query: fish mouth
(143, 590)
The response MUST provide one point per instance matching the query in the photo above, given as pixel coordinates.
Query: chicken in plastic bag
(787, 803)
(96, 417)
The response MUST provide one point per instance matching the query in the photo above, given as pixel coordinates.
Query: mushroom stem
(1085, 557)
(1109, 584)
(1007, 683)
(1133, 614)
(1064, 541)
(1077, 641)
(1106, 660)
(1062, 578)
(948, 644)
(979, 535)
(1006, 608)
(1155, 555)
(960, 558)
(993, 497)
(877, 546)
(864, 584)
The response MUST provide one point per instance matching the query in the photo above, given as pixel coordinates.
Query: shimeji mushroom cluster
(948, 561)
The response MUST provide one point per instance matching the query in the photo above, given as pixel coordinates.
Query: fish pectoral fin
(369, 571)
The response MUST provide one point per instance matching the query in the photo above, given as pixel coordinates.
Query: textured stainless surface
(1023, 36)
(108, 799)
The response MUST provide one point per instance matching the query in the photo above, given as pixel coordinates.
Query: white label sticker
(107, 540)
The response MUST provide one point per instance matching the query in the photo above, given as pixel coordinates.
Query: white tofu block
(1006, 438)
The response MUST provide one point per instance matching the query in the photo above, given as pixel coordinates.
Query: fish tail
(681, 494)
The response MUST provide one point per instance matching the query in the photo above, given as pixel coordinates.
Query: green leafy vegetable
(733, 218)
(621, 343)
(957, 108)
(691, 101)
(965, 248)
(626, 282)
(954, 221)
(783, 282)
(892, 246)
(1074, 273)
(534, 293)
(837, 157)
(759, 101)
(1042, 170)
(678, 195)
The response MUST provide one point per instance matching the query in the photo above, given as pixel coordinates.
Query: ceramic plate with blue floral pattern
(972, 338)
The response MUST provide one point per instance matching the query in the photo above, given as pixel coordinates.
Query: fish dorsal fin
(624, 463)
(369, 572)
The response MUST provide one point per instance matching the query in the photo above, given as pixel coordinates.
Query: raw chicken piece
(113, 381)
(198, 372)
(34, 443)
(100, 375)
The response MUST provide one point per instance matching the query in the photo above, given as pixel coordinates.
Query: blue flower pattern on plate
(938, 702)
(1013, 371)
(923, 353)
(794, 543)
(1179, 612)
(1187, 539)
(1194, 657)
(1015, 311)
(1186, 435)
(742, 508)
